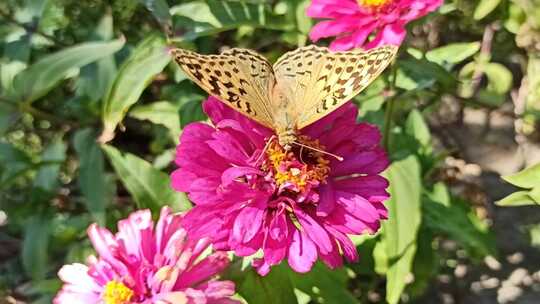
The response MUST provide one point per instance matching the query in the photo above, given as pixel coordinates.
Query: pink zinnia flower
(353, 21)
(298, 205)
(146, 264)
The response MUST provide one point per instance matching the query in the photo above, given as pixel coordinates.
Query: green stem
(389, 111)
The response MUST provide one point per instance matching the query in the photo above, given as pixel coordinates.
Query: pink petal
(302, 253)
(249, 221)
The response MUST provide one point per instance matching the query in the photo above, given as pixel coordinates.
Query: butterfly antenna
(265, 148)
(319, 150)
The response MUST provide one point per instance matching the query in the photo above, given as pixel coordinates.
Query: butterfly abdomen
(286, 138)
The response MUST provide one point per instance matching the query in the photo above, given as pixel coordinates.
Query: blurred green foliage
(91, 109)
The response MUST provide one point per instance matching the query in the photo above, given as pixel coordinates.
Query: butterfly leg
(301, 152)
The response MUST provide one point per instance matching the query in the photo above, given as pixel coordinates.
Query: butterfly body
(283, 117)
(302, 87)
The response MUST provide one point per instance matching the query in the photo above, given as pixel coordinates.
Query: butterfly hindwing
(241, 78)
(325, 80)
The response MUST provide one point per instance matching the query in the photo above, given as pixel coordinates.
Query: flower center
(117, 293)
(373, 3)
(298, 168)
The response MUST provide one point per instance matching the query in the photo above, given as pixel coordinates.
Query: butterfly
(303, 86)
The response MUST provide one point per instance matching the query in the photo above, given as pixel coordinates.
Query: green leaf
(304, 22)
(13, 163)
(198, 11)
(490, 98)
(519, 198)
(191, 111)
(484, 8)
(324, 285)
(8, 116)
(528, 178)
(147, 60)
(401, 228)
(92, 179)
(453, 53)
(160, 112)
(426, 263)
(34, 249)
(414, 74)
(417, 128)
(96, 78)
(53, 156)
(454, 221)
(274, 288)
(149, 187)
(516, 17)
(535, 193)
(499, 78)
(39, 78)
(439, 194)
(17, 53)
(211, 17)
(160, 10)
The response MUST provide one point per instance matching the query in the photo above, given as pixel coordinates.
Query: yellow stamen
(117, 293)
(279, 163)
(373, 3)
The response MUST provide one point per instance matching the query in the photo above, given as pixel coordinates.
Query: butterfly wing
(240, 78)
(321, 81)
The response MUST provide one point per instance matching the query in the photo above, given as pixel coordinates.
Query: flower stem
(389, 111)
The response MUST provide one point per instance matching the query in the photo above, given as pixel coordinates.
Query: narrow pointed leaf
(147, 60)
(149, 187)
(92, 179)
(39, 78)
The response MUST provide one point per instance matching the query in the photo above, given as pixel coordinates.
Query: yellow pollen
(117, 293)
(285, 164)
(373, 3)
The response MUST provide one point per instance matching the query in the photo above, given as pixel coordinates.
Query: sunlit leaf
(519, 198)
(485, 7)
(400, 230)
(214, 16)
(17, 52)
(453, 53)
(147, 60)
(527, 178)
(499, 78)
(417, 128)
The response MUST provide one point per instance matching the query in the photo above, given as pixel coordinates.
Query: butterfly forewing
(324, 80)
(241, 78)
